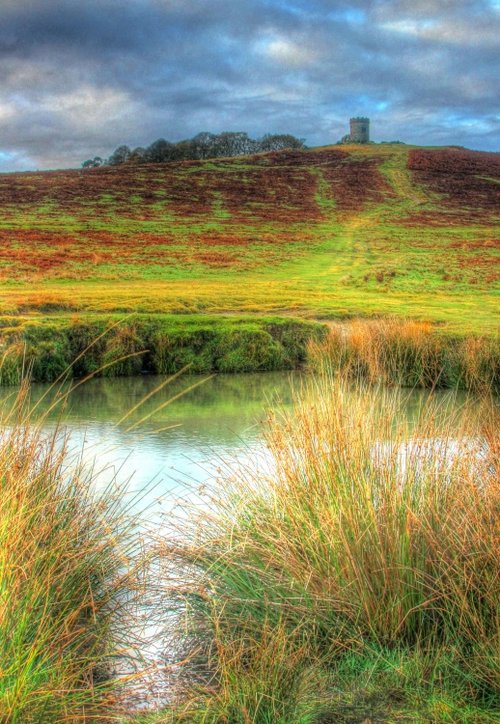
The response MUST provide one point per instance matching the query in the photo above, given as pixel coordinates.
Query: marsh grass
(356, 579)
(410, 354)
(74, 559)
(69, 573)
(353, 576)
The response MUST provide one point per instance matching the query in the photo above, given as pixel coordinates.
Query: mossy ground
(60, 346)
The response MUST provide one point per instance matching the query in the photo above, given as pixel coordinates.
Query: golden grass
(409, 353)
(67, 565)
(261, 294)
(369, 552)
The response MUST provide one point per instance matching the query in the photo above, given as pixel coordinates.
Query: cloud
(78, 79)
(457, 32)
(288, 52)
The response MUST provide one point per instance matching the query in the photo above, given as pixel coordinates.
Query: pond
(167, 443)
(170, 440)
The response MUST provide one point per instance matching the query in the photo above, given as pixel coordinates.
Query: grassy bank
(158, 344)
(358, 580)
(393, 351)
(65, 575)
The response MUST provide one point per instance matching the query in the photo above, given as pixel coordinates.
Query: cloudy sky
(79, 77)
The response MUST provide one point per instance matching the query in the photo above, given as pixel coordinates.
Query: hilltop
(323, 233)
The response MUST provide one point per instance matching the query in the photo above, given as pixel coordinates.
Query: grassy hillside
(325, 233)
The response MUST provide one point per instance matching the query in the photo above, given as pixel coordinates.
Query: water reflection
(180, 444)
(177, 447)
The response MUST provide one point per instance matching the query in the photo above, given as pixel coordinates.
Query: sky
(80, 77)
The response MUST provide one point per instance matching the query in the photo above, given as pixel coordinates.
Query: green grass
(357, 579)
(264, 235)
(54, 346)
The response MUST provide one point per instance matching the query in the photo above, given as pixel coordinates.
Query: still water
(173, 441)
(165, 444)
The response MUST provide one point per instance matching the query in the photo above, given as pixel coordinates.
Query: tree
(234, 143)
(160, 151)
(280, 142)
(203, 145)
(92, 162)
(184, 150)
(138, 155)
(120, 155)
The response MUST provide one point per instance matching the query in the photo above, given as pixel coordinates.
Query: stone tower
(359, 130)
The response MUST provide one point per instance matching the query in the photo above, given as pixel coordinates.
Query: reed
(410, 354)
(67, 573)
(357, 578)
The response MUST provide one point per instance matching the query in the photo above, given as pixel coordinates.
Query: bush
(48, 361)
(155, 343)
(12, 364)
(173, 351)
(123, 352)
(250, 350)
(87, 343)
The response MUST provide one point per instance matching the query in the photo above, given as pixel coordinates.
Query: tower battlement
(359, 130)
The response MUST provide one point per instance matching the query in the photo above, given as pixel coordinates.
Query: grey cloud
(78, 79)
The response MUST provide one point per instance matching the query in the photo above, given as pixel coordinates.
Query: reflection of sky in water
(208, 426)
(216, 422)
(167, 466)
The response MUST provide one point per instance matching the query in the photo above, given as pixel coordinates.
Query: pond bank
(403, 352)
(116, 346)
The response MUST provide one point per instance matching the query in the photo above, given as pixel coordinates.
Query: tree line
(202, 146)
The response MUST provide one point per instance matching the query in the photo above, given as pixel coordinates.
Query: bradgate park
(249, 380)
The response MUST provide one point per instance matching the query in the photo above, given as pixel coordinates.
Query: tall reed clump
(354, 577)
(409, 353)
(66, 573)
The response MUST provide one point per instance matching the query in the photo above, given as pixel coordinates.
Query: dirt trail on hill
(401, 180)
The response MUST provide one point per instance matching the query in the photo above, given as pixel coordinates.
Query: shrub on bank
(12, 364)
(406, 353)
(123, 351)
(171, 352)
(251, 350)
(155, 344)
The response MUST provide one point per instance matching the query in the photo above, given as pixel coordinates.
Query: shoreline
(401, 352)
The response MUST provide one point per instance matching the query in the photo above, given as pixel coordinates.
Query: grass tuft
(409, 354)
(354, 576)
(67, 562)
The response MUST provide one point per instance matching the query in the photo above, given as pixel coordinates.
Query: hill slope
(322, 233)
